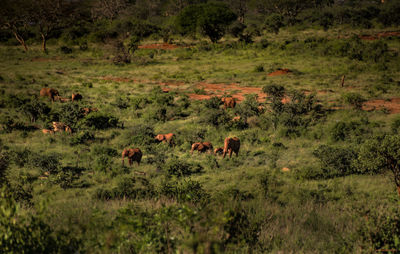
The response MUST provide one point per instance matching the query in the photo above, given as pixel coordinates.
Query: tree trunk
(20, 40)
(44, 40)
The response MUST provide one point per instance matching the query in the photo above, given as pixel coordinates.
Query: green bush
(354, 99)
(273, 23)
(100, 121)
(336, 161)
(184, 191)
(131, 188)
(180, 168)
(82, 137)
(22, 232)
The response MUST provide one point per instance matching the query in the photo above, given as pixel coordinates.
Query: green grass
(287, 214)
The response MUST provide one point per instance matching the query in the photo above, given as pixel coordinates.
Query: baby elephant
(201, 147)
(231, 145)
(134, 154)
(218, 151)
(49, 92)
(168, 138)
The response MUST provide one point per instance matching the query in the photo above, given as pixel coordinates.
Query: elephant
(76, 97)
(201, 147)
(47, 131)
(49, 92)
(62, 100)
(229, 102)
(168, 138)
(86, 111)
(59, 127)
(231, 145)
(134, 154)
(218, 151)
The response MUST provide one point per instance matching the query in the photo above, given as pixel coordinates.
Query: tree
(287, 8)
(108, 9)
(14, 16)
(211, 18)
(48, 15)
(240, 7)
(380, 154)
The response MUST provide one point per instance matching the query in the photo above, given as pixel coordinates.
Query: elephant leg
(230, 153)
(130, 162)
(237, 153)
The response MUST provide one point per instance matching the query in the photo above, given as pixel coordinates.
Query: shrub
(28, 232)
(82, 138)
(177, 167)
(216, 117)
(140, 134)
(100, 121)
(354, 99)
(35, 110)
(214, 102)
(336, 161)
(184, 191)
(273, 23)
(102, 162)
(65, 50)
(131, 188)
(344, 130)
(70, 114)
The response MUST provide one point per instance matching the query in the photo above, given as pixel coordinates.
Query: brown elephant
(134, 154)
(59, 127)
(201, 147)
(47, 131)
(86, 111)
(231, 145)
(76, 97)
(49, 92)
(218, 151)
(229, 102)
(62, 100)
(167, 138)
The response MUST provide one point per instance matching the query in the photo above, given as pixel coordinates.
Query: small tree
(381, 153)
(274, 22)
(211, 18)
(14, 16)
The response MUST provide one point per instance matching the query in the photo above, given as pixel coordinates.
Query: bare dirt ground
(279, 72)
(380, 35)
(165, 46)
(392, 105)
(208, 90)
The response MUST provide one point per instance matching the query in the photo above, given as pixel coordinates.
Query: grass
(284, 213)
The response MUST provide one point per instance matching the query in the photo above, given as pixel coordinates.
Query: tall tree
(48, 16)
(15, 17)
(108, 9)
(287, 8)
(240, 7)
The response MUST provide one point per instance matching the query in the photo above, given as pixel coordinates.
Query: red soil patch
(165, 46)
(379, 35)
(238, 92)
(279, 72)
(392, 105)
(43, 59)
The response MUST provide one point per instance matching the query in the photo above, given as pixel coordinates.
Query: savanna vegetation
(316, 87)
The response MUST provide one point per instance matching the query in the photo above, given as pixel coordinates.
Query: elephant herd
(54, 95)
(231, 145)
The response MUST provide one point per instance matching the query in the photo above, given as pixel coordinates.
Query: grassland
(200, 203)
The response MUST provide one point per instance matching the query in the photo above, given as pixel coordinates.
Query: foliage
(274, 22)
(180, 168)
(335, 161)
(354, 99)
(211, 18)
(184, 191)
(29, 233)
(100, 121)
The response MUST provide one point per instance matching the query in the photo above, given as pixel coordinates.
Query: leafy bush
(22, 232)
(35, 110)
(214, 102)
(65, 50)
(354, 99)
(70, 114)
(132, 188)
(184, 191)
(335, 161)
(82, 138)
(177, 167)
(140, 134)
(100, 121)
(344, 130)
(215, 117)
(273, 23)
(211, 18)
